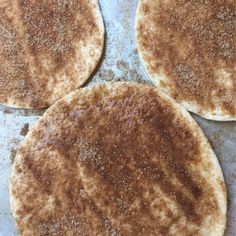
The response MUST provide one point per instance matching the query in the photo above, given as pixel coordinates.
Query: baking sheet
(121, 63)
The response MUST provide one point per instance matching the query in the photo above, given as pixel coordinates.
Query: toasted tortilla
(188, 49)
(117, 159)
(47, 49)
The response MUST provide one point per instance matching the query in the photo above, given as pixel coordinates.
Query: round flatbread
(189, 51)
(117, 159)
(48, 48)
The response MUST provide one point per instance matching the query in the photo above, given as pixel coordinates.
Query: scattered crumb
(7, 111)
(24, 129)
(107, 75)
(122, 65)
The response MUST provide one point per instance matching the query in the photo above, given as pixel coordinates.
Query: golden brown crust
(47, 48)
(188, 48)
(117, 159)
